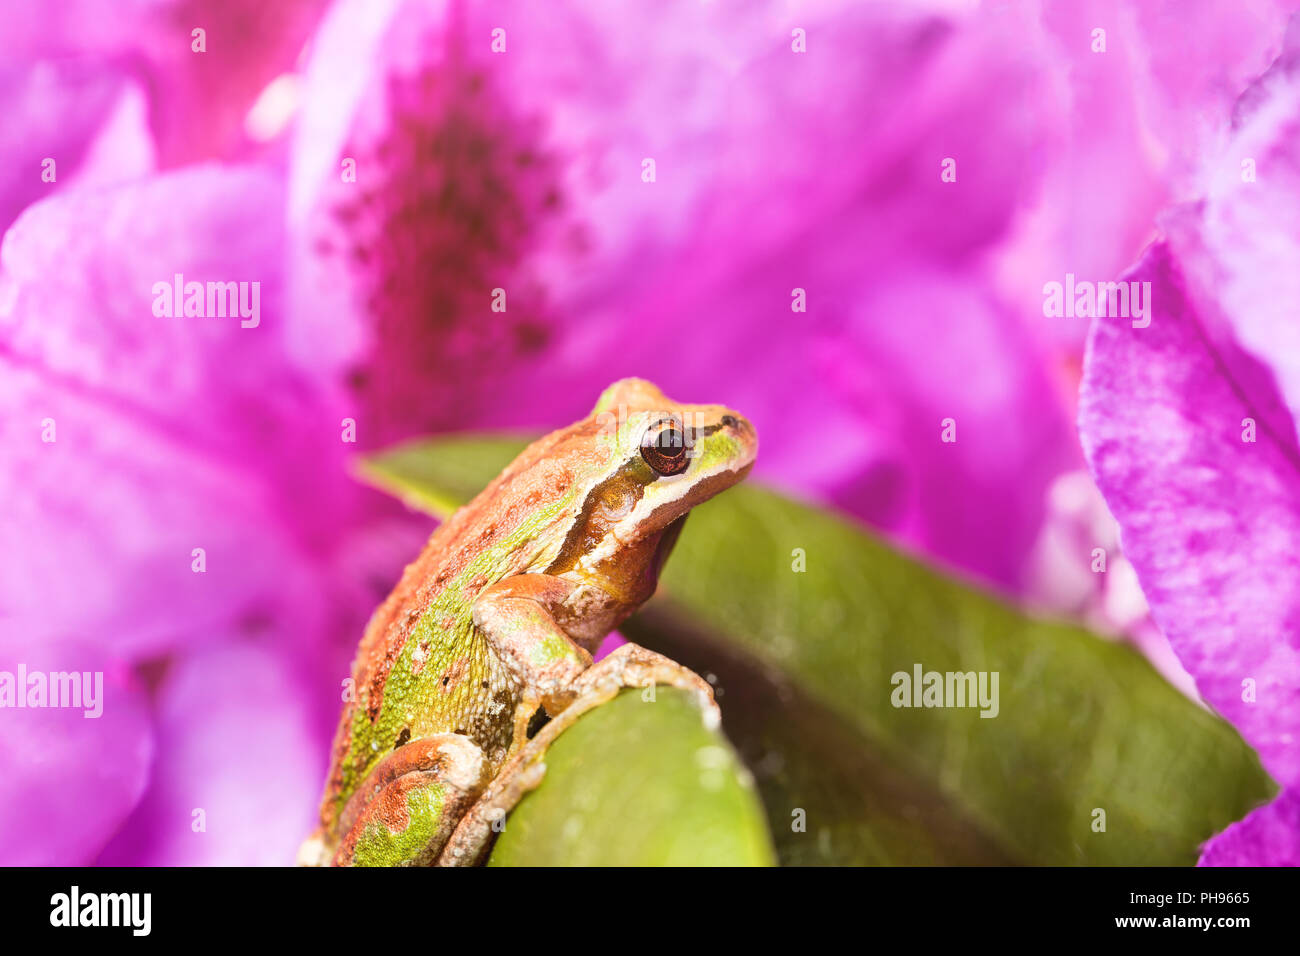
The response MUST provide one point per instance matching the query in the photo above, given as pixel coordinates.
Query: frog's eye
(663, 446)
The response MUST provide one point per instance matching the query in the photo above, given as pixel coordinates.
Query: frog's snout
(738, 424)
(739, 427)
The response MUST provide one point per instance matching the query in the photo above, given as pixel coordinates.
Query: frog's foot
(408, 805)
(629, 666)
(314, 851)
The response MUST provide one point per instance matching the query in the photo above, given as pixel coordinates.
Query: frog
(484, 652)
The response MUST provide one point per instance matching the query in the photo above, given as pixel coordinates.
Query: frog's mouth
(666, 512)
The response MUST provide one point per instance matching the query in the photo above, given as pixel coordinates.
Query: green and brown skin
(500, 615)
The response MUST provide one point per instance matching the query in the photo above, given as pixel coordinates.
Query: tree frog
(496, 621)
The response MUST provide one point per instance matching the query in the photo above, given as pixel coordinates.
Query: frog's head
(664, 457)
(636, 466)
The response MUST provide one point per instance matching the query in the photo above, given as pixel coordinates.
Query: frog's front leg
(629, 666)
(409, 803)
(530, 622)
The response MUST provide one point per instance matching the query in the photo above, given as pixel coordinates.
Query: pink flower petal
(69, 779)
(198, 99)
(238, 769)
(1190, 427)
(77, 292)
(105, 520)
(1190, 424)
(167, 437)
(66, 120)
(1242, 242)
(1270, 836)
(1210, 522)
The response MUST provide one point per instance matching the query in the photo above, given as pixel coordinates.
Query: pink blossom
(1190, 428)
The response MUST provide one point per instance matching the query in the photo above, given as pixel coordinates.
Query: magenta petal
(418, 186)
(201, 100)
(105, 520)
(1185, 60)
(1210, 522)
(907, 369)
(198, 100)
(61, 118)
(1190, 424)
(1270, 836)
(521, 171)
(77, 296)
(1242, 242)
(131, 434)
(612, 642)
(238, 769)
(68, 779)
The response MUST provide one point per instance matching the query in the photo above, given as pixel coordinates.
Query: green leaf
(639, 783)
(438, 475)
(803, 664)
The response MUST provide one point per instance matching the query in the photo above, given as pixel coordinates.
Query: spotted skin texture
(456, 183)
(499, 614)
(460, 686)
(392, 843)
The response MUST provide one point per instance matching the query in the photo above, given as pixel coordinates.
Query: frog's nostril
(737, 424)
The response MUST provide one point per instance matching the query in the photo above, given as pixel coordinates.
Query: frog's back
(422, 668)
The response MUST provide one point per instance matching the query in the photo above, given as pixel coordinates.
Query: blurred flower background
(380, 168)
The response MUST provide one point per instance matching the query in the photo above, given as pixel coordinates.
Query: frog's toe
(313, 851)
